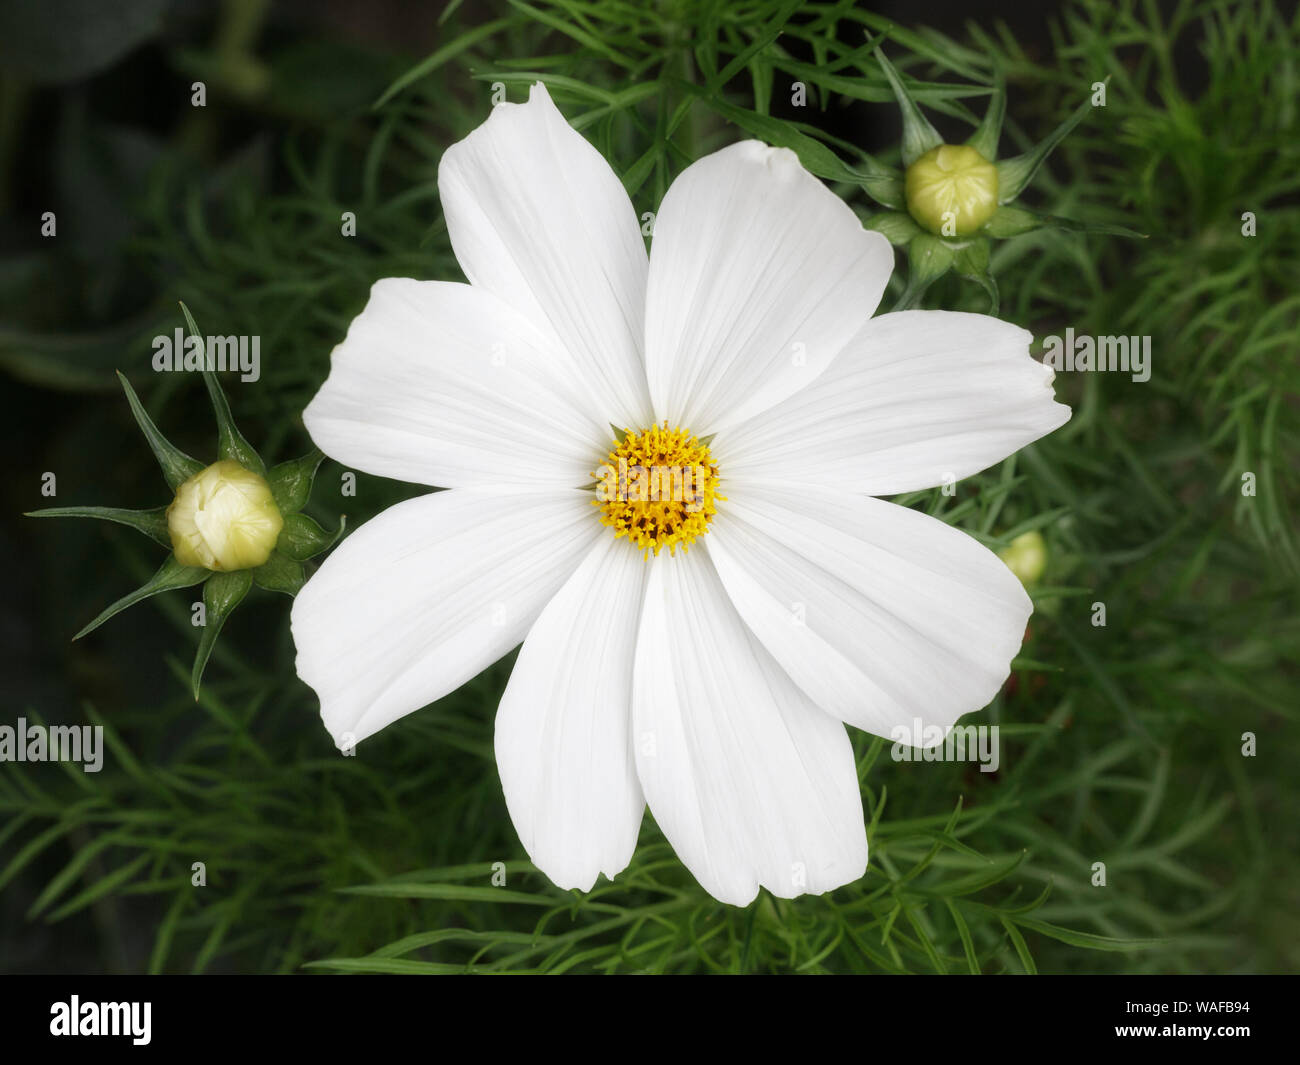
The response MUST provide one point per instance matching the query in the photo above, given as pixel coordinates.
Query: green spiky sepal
(290, 483)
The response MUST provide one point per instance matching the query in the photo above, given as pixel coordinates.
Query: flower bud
(952, 190)
(1026, 556)
(224, 518)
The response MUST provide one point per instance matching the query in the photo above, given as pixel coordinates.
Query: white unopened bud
(224, 518)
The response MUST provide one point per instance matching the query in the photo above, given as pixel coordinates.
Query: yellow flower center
(658, 488)
(952, 190)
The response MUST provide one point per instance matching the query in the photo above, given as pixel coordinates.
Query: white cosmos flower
(711, 683)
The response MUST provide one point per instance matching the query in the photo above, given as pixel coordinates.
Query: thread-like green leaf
(882, 184)
(458, 892)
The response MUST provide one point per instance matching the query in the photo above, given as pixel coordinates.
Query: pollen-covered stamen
(658, 488)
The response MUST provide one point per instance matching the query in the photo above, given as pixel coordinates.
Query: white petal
(563, 729)
(537, 217)
(916, 399)
(759, 275)
(428, 594)
(882, 615)
(750, 782)
(444, 384)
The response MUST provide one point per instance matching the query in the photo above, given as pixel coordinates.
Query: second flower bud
(224, 518)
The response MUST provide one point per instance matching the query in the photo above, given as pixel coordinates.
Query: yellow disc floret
(658, 488)
(224, 518)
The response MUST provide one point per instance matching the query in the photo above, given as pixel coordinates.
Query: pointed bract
(153, 523)
(280, 574)
(291, 481)
(972, 262)
(177, 467)
(301, 538)
(221, 595)
(918, 135)
(1015, 173)
(231, 443)
(1010, 221)
(170, 575)
(929, 258)
(985, 139)
(898, 227)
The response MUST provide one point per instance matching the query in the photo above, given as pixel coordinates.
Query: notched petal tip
(539, 107)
